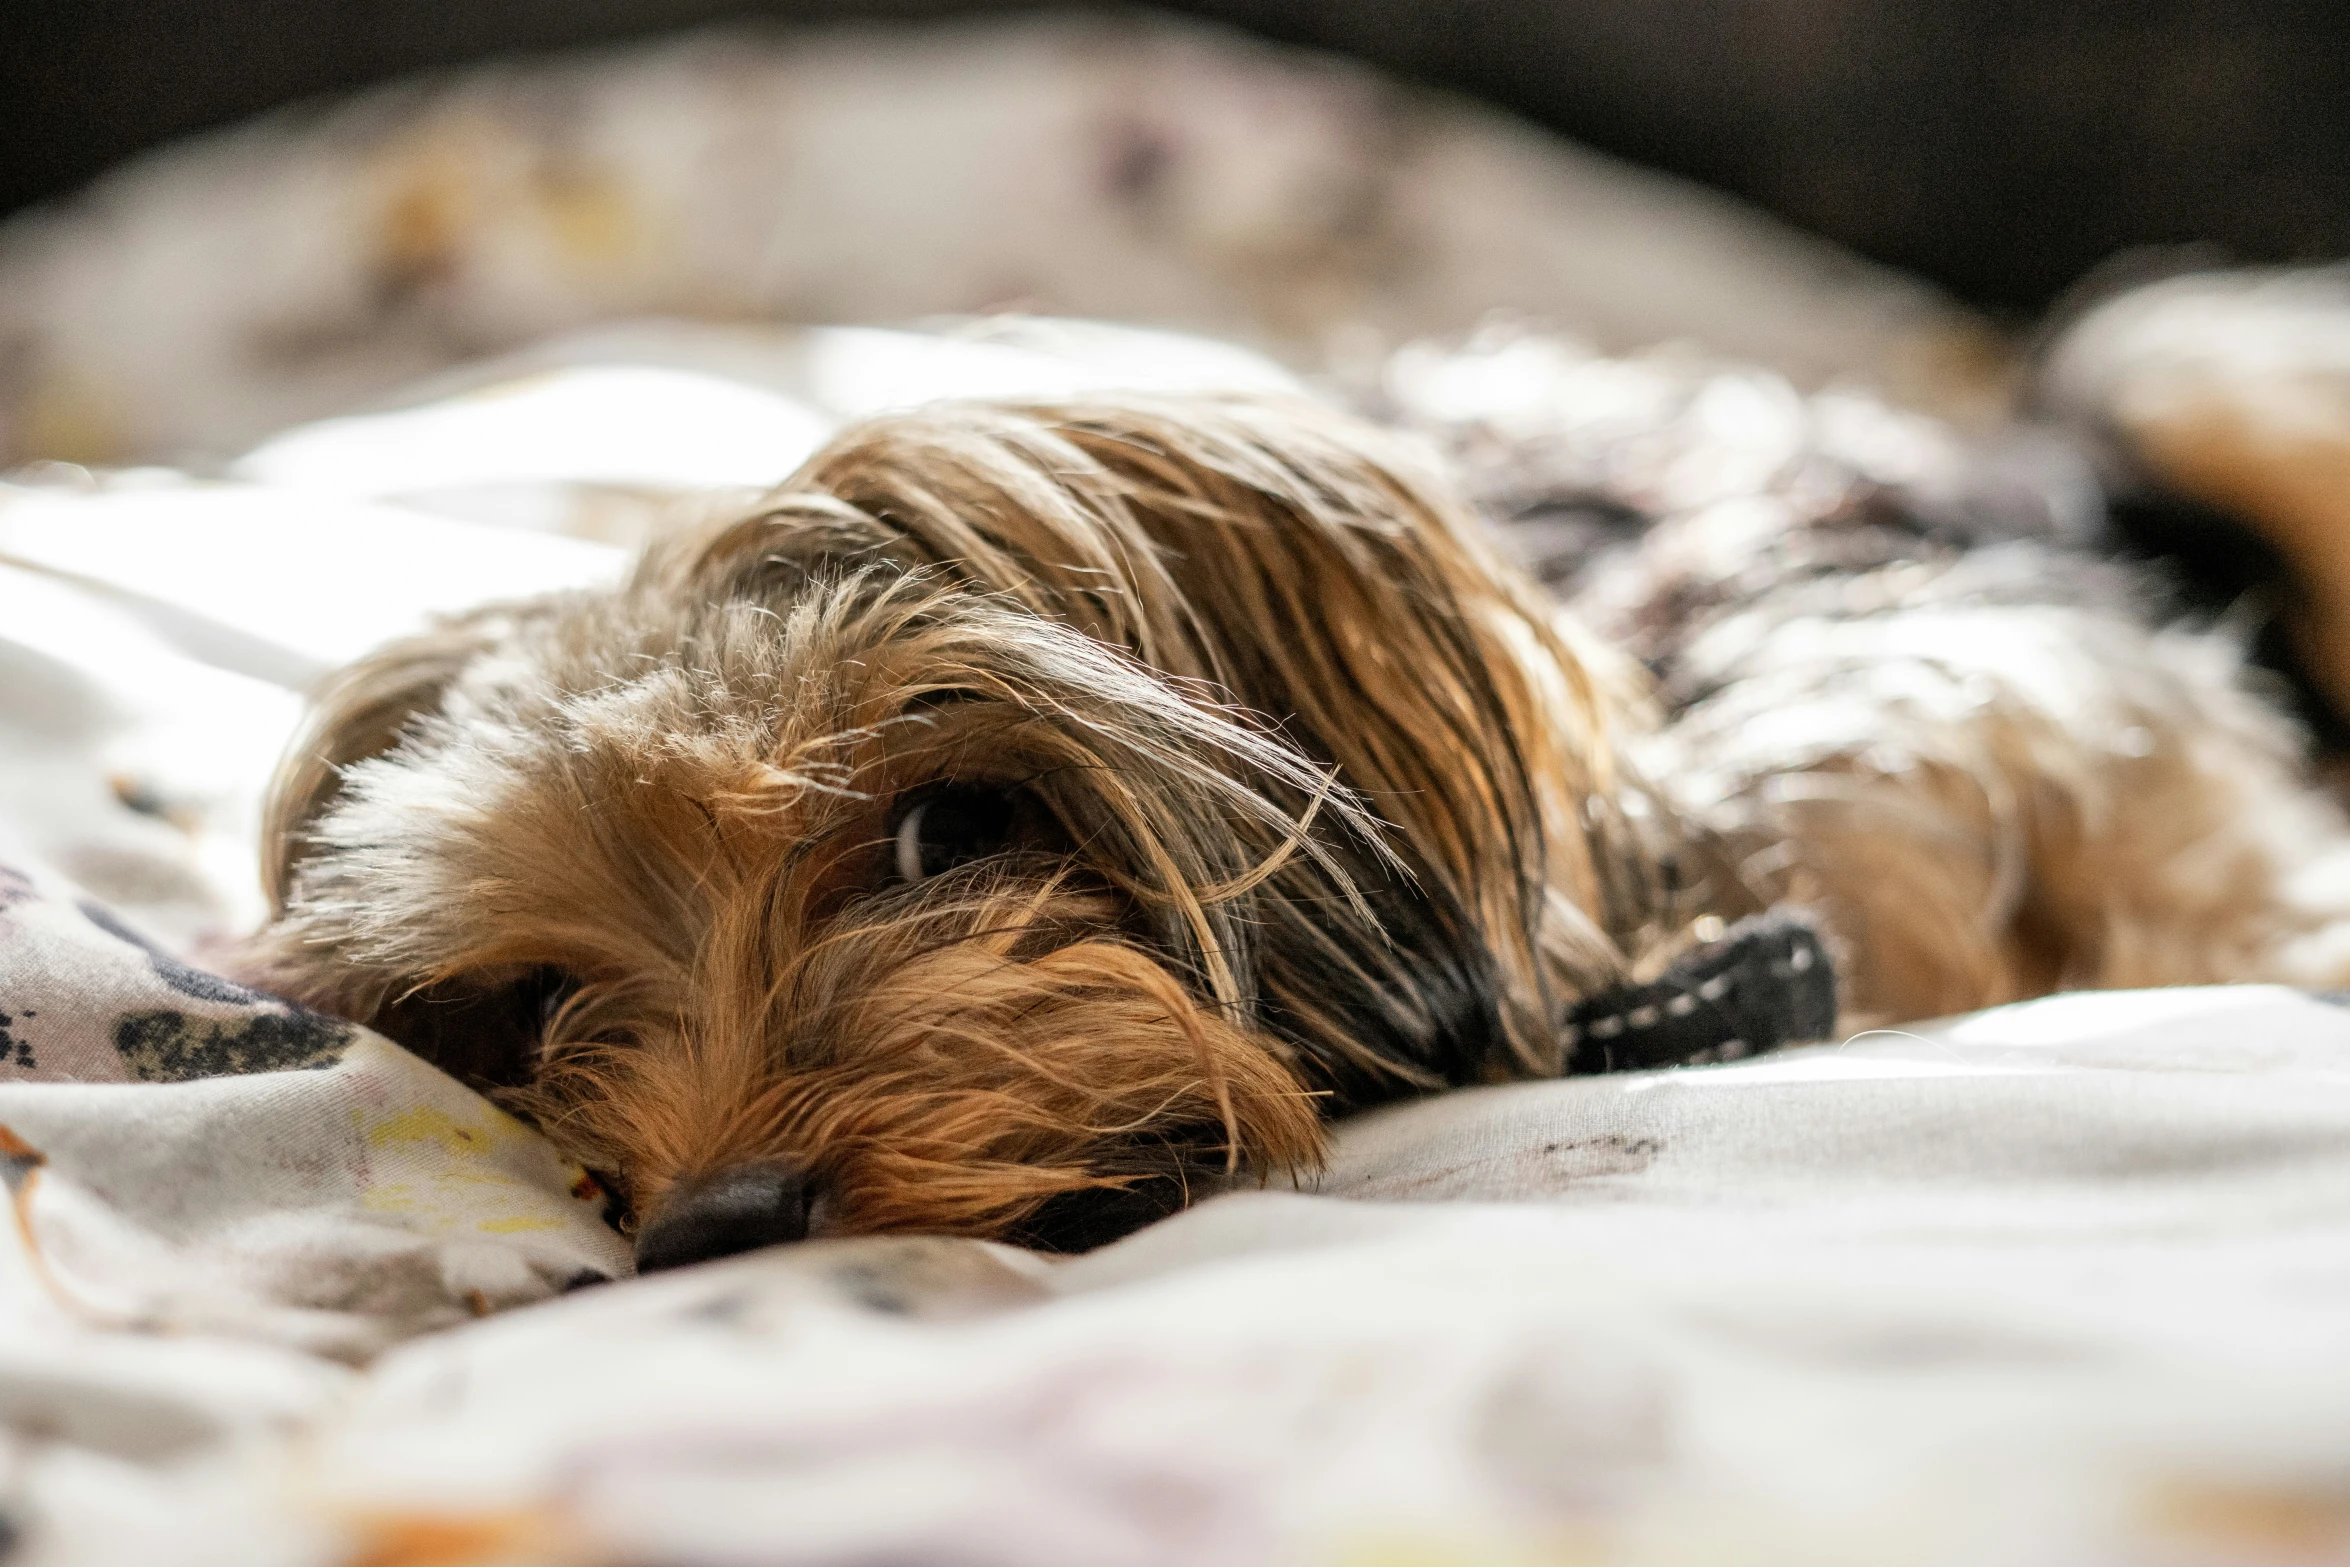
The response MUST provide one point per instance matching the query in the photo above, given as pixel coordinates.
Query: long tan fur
(1312, 803)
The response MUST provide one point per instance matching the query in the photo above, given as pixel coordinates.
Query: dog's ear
(361, 711)
(1321, 573)
(483, 1035)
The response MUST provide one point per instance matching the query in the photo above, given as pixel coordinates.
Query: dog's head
(1027, 816)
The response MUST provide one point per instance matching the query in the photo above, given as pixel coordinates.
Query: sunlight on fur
(1031, 802)
(1307, 804)
(941, 1070)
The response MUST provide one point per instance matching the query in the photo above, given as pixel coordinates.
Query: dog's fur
(1309, 801)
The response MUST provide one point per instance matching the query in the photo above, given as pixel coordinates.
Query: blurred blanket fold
(2067, 1283)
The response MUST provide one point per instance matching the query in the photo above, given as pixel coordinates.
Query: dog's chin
(765, 1205)
(1086, 1220)
(947, 1071)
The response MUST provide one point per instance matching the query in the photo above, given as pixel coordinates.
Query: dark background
(2001, 147)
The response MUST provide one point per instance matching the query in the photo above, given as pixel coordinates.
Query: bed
(2066, 1283)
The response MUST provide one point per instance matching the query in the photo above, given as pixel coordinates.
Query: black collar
(1766, 982)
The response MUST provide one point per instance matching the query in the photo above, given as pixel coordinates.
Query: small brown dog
(1033, 815)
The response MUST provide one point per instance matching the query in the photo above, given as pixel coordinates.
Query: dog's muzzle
(740, 1209)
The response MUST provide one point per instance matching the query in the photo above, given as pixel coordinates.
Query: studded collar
(1765, 982)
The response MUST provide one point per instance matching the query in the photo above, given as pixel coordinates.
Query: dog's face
(1029, 817)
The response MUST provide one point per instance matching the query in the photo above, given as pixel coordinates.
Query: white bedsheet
(2067, 1283)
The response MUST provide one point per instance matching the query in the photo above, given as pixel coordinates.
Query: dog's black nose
(741, 1209)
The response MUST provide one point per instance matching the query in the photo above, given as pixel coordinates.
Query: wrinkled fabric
(2066, 1283)
(190, 1155)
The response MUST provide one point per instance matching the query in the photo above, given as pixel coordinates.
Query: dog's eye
(950, 827)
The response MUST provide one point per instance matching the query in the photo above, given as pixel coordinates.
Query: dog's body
(1034, 813)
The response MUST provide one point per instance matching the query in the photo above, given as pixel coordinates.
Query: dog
(1031, 817)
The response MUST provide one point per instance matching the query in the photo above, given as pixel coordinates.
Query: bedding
(1129, 168)
(2065, 1283)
